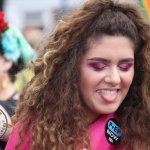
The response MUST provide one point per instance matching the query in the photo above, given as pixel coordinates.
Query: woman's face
(5, 65)
(2, 68)
(106, 73)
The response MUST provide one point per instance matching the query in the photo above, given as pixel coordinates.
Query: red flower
(1, 16)
(3, 24)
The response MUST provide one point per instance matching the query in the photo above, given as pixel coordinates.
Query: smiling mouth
(108, 95)
(107, 91)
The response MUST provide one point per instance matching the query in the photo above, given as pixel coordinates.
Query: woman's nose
(113, 77)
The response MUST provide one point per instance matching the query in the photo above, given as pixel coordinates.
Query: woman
(91, 84)
(13, 58)
(15, 53)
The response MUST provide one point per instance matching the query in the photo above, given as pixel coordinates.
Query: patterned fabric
(9, 106)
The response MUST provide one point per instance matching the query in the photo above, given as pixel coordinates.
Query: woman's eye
(98, 66)
(125, 66)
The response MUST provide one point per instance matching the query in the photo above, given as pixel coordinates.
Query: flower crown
(13, 43)
(9, 45)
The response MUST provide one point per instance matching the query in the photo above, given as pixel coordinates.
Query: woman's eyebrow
(98, 59)
(127, 60)
(106, 60)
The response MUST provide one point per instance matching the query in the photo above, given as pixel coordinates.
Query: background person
(15, 53)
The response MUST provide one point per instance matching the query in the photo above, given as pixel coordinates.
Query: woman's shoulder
(14, 138)
(105, 133)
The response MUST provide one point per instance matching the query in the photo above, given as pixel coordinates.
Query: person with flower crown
(15, 52)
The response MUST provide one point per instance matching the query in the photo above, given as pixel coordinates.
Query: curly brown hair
(52, 99)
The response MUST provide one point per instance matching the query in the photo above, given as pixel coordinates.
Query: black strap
(13, 95)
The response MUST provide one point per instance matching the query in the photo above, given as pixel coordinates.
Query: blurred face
(2, 60)
(106, 73)
(5, 65)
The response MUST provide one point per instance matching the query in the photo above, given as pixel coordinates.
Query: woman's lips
(108, 95)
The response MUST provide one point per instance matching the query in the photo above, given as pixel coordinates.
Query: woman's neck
(6, 93)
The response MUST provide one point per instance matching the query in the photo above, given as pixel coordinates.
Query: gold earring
(5, 81)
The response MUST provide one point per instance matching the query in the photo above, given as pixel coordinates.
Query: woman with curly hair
(91, 84)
